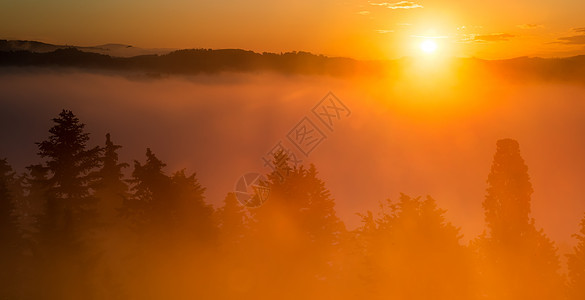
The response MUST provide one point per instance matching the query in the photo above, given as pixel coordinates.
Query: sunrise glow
(307, 149)
(428, 46)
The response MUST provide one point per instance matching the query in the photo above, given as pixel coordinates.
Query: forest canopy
(77, 227)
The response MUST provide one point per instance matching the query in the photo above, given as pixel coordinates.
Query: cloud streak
(530, 26)
(575, 39)
(572, 40)
(491, 37)
(398, 5)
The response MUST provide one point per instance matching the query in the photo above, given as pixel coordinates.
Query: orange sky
(354, 28)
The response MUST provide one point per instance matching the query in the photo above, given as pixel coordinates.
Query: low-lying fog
(422, 135)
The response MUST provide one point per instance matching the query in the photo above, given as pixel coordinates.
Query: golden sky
(355, 28)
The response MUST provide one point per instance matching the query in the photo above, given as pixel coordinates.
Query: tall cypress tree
(507, 203)
(517, 261)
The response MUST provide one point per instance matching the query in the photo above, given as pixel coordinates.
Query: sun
(428, 46)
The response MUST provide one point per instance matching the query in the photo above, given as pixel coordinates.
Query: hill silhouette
(194, 61)
(191, 61)
(118, 50)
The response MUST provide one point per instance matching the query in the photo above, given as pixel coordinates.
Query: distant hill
(117, 50)
(194, 61)
(187, 61)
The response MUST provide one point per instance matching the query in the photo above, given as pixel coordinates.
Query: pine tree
(110, 187)
(148, 208)
(21, 205)
(576, 264)
(411, 252)
(113, 235)
(69, 203)
(516, 259)
(298, 220)
(171, 206)
(36, 184)
(173, 225)
(233, 221)
(67, 225)
(10, 236)
(193, 217)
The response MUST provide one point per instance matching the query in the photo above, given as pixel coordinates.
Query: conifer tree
(110, 187)
(515, 258)
(10, 236)
(576, 264)
(410, 251)
(65, 229)
(298, 218)
(172, 206)
(193, 217)
(69, 205)
(148, 207)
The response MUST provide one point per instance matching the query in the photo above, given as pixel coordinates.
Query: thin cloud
(399, 5)
(430, 37)
(572, 40)
(364, 12)
(575, 39)
(469, 27)
(530, 26)
(384, 31)
(492, 37)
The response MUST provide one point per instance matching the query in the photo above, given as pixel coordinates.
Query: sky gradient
(353, 28)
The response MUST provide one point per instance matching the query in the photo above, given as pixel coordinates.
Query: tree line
(74, 227)
(189, 61)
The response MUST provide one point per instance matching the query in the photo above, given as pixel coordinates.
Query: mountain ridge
(193, 61)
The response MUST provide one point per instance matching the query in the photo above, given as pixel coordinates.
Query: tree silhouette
(516, 260)
(507, 204)
(36, 186)
(193, 216)
(10, 237)
(148, 206)
(297, 219)
(109, 185)
(233, 221)
(411, 252)
(236, 247)
(576, 264)
(69, 163)
(68, 220)
(168, 205)
(173, 225)
(110, 189)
